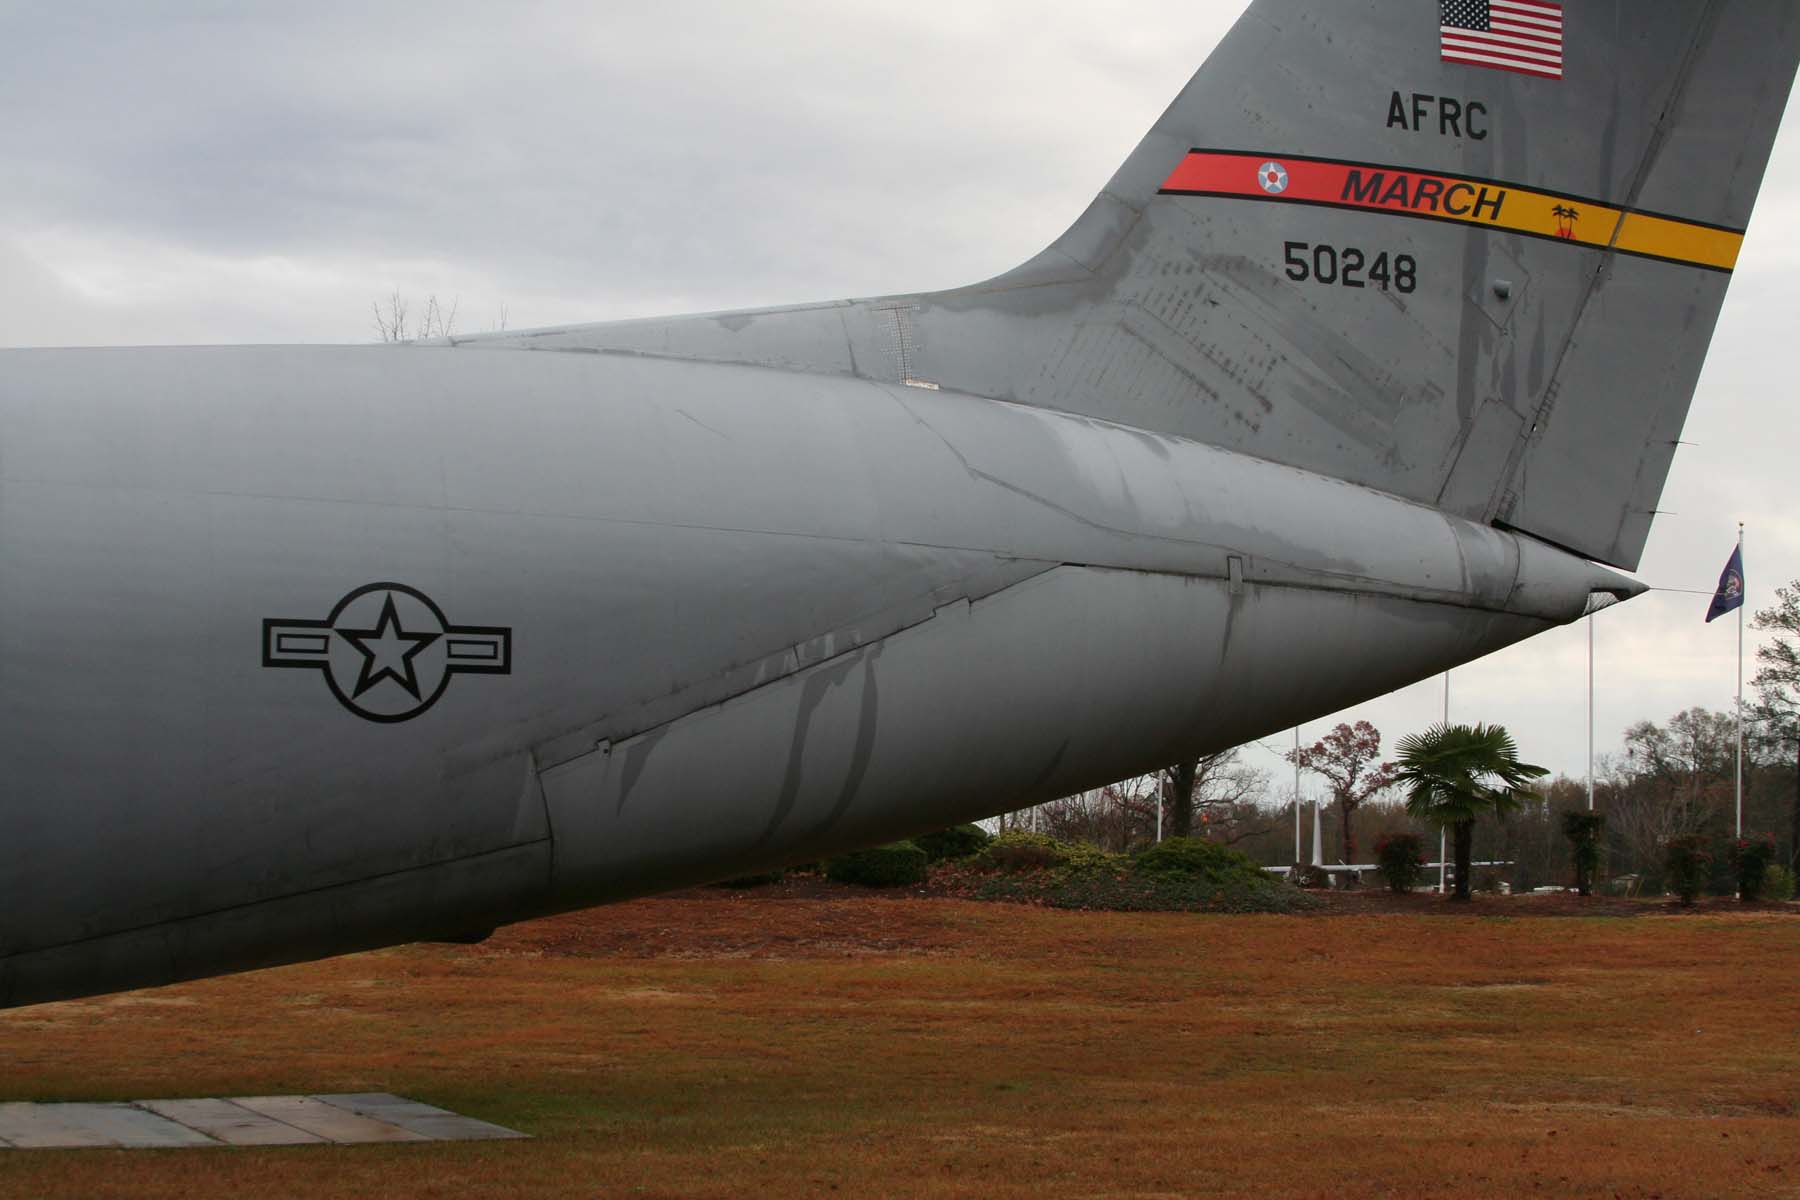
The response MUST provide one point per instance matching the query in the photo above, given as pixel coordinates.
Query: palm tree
(1454, 773)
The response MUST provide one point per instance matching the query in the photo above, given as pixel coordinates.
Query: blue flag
(1731, 587)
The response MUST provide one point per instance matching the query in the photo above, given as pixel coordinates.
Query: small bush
(894, 865)
(1778, 883)
(1020, 851)
(1751, 858)
(1192, 856)
(1584, 830)
(958, 841)
(1401, 860)
(1180, 875)
(1688, 862)
(1131, 891)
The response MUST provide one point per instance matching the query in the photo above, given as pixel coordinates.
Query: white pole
(1740, 689)
(1159, 807)
(1443, 871)
(1590, 780)
(1296, 795)
(1318, 855)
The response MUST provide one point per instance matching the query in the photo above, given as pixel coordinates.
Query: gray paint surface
(782, 583)
(1172, 312)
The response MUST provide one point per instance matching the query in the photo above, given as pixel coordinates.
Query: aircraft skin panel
(447, 901)
(1350, 375)
(172, 547)
(885, 741)
(835, 756)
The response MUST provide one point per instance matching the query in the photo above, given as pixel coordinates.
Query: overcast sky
(229, 172)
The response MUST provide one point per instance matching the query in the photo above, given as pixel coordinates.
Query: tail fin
(1466, 251)
(1476, 267)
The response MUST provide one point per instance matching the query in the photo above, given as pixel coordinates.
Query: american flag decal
(1508, 35)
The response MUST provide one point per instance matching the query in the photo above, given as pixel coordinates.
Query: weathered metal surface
(1176, 313)
(309, 650)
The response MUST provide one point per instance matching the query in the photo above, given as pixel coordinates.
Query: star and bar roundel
(386, 651)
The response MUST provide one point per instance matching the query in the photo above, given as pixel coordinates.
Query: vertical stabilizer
(1478, 269)
(1469, 252)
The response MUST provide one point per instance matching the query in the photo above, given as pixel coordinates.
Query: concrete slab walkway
(327, 1119)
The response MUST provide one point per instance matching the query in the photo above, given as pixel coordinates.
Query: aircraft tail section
(1469, 252)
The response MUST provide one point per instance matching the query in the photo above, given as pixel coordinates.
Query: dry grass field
(854, 1045)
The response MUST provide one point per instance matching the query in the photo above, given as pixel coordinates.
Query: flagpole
(1296, 795)
(1590, 780)
(1740, 691)
(1442, 841)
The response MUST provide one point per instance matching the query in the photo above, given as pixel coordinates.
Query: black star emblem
(388, 651)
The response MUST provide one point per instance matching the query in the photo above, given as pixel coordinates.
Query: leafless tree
(1777, 711)
(1116, 817)
(391, 323)
(1224, 797)
(1672, 780)
(1219, 790)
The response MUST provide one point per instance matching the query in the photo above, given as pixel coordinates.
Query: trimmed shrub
(1180, 875)
(958, 841)
(1192, 856)
(1778, 883)
(1688, 862)
(1584, 830)
(1751, 858)
(1401, 860)
(895, 865)
(1131, 891)
(1017, 850)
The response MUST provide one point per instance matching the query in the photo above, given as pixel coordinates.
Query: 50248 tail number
(1350, 267)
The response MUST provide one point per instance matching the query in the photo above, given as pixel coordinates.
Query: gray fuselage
(746, 617)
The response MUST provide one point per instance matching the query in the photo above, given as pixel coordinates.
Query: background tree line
(1671, 779)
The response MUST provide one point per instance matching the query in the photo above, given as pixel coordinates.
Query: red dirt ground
(806, 1041)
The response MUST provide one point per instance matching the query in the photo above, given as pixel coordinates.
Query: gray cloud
(714, 154)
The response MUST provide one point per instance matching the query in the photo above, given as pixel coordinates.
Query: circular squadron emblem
(1273, 177)
(386, 651)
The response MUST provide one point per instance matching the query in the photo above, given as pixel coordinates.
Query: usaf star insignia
(386, 650)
